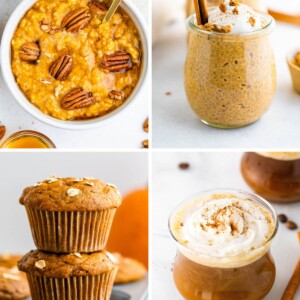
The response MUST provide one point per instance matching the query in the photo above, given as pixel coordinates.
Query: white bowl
(9, 78)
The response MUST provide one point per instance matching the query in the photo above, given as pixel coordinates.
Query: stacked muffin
(70, 220)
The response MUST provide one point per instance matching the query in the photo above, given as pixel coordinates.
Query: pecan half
(116, 95)
(120, 61)
(30, 52)
(97, 8)
(2, 131)
(77, 98)
(61, 68)
(76, 19)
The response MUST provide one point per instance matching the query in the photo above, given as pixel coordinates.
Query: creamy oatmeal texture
(90, 52)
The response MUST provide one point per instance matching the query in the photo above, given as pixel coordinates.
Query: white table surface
(176, 126)
(124, 132)
(208, 171)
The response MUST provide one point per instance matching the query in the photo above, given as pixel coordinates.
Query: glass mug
(230, 79)
(274, 176)
(249, 276)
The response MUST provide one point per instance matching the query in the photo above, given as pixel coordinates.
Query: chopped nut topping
(72, 192)
(89, 178)
(234, 3)
(252, 21)
(235, 11)
(145, 144)
(214, 28)
(40, 264)
(37, 184)
(146, 125)
(11, 276)
(222, 7)
(89, 183)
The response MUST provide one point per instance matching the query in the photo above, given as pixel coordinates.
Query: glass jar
(28, 139)
(230, 79)
(249, 276)
(257, 5)
(274, 176)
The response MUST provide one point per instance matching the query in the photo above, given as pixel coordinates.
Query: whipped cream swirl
(239, 17)
(223, 227)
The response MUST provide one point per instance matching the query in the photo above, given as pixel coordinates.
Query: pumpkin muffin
(13, 284)
(71, 276)
(70, 214)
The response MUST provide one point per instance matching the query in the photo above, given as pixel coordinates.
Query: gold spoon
(115, 4)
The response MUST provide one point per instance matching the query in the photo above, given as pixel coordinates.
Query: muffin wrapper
(76, 287)
(69, 232)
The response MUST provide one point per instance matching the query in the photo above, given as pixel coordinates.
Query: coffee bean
(291, 225)
(184, 165)
(282, 218)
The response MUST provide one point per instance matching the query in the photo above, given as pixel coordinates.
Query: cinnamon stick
(197, 10)
(294, 282)
(201, 11)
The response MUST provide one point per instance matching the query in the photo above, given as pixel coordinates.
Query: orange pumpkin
(129, 232)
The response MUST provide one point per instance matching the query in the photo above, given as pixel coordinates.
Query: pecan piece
(116, 95)
(30, 52)
(146, 125)
(61, 68)
(2, 131)
(97, 8)
(120, 61)
(76, 19)
(77, 98)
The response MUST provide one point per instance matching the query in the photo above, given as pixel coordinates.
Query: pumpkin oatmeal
(71, 65)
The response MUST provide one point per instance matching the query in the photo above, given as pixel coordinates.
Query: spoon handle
(115, 4)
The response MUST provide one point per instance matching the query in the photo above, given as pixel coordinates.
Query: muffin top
(54, 265)
(13, 284)
(71, 194)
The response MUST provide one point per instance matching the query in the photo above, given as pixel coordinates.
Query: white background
(126, 131)
(128, 171)
(176, 126)
(208, 171)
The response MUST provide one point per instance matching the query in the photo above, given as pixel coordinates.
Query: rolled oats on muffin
(68, 215)
(85, 276)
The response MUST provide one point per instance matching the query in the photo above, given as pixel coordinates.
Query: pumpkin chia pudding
(230, 75)
(72, 66)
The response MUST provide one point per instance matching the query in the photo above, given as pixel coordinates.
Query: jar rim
(250, 196)
(28, 133)
(269, 27)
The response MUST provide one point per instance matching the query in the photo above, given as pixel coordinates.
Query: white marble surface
(123, 132)
(176, 126)
(208, 171)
